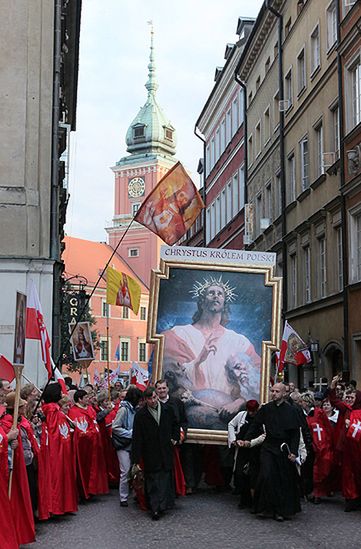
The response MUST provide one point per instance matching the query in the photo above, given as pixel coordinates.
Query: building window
(276, 110)
(229, 201)
(257, 141)
(228, 126)
(322, 266)
(135, 208)
(138, 132)
(315, 50)
(258, 213)
(218, 145)
(241, 188)
(213, 220)
(208, 225)
(277, 195)
(336, 132)
(133, 252)
(339, 259)
(223, 135)
(355, 245)
(355, 81)
(142, 357)
(291, 165)
(234, 116)
(124, 351)
(307, 273)
(267, 65)
(104, 351)
(319, 150)
(235, 195)
(168, 134)
(347, 6)
(288, 88)
(208, 160)
(105, 309)
(293, 281)
(143, 313)
(258, 83)
(241, 106)
(250, 149)
(288, 27)
(304, 163)
(213, 153)
(267, 125)
(218, 214)
(125, 312)
(301, 71)
(331, 24)
(268, 201)
(223, 208)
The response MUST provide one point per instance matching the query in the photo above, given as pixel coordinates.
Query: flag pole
(18, 369)
(80, 316)
(108, 350)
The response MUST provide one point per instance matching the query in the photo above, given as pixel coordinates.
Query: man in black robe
(276, 490)
(155, 431)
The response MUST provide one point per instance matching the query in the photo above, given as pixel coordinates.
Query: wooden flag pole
(18, 368)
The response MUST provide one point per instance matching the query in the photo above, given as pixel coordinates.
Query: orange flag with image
(172, 207)
(122, 290)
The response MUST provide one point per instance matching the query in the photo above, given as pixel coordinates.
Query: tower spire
(152, 84)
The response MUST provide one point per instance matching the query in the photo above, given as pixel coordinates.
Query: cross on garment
(319, 429)
(356, 428)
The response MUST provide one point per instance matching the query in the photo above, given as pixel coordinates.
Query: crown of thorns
(199, 288)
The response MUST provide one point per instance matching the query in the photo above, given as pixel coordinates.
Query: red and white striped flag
(293, 349)
(6, 369)
(139, 377)
(59, 378)
(35, 327)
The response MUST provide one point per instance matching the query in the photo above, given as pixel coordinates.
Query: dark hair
(133, 396)
(148, 392)
(89, 385)
(68, 381)
(200, 302)
(79, 393)
(353, 382)
(52, 393)
(160, 381)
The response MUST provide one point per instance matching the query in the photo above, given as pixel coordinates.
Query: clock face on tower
(136, 187)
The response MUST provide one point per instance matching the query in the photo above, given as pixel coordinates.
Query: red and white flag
(35, 327)
(96, 378)
(293, 349)
(59, 378)
(6, 369)
(139, 376)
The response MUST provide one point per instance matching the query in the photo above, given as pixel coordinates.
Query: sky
(190, 40)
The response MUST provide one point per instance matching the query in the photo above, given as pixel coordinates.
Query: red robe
(7, 528)
(20, 501)
(91, 467)
(322, 439)
(63, 491)
(111, 454)
(349, 451)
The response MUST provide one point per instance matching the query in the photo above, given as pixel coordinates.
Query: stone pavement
(207, 520)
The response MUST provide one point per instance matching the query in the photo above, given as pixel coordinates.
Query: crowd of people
(72, 446)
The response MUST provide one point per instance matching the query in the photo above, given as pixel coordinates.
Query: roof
(88, 259)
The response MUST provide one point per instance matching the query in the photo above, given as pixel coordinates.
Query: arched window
(138, 131)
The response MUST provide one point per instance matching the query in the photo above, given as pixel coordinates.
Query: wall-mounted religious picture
(81, 341)
(20, 328)
(214, 319)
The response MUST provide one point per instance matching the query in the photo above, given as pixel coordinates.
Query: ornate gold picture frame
(242, 346)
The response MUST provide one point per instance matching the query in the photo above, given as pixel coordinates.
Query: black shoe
(123, 504)
(279, 518)
(155, 515)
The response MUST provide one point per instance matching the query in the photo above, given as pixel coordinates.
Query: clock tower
(151, 142)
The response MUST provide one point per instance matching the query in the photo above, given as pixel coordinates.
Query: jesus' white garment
(213, 368)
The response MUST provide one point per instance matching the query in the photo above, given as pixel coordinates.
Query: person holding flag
(293, 349)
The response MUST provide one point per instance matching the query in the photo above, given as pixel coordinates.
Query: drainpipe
(54, 199)
(282, 156)
(201, 137)
(345, 273)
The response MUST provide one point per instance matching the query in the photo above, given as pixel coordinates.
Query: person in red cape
(91, 469)
(7, 528)
(105, 414)
(56, 429)
(348, 446)
(20, 500)
(332, 415)
(322, 441)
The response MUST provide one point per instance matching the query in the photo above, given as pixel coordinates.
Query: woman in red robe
(7, 529)
(56, 432)
(20, 500)
(91, 468)
(322, 442)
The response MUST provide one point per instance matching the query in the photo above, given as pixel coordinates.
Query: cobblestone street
(205, 520)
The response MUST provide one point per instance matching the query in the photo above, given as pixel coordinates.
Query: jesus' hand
(208, 347)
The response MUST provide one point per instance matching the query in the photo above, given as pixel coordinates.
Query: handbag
(120, 442)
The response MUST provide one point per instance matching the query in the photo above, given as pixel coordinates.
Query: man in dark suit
(155, 432)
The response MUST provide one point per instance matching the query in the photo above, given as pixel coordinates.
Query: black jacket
(152, 442)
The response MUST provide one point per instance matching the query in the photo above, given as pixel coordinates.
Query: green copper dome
(151, 130)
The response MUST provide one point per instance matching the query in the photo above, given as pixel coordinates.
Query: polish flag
(58, 376)
(293, 349)
(6, 369)
(138, 376)
(35, 327)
